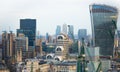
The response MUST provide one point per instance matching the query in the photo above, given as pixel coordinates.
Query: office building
(47, 37)
(28, 26)
(21, 44)
(82, 33)
(38, 47)
(71, 31)
(35, 65)
(1, 52)
(103, 21)
(8, 44)
(58, 30)
(64, 28)
(68, 66)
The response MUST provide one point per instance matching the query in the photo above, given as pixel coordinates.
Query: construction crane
(99, 68)
(81, 62)
(115, 50)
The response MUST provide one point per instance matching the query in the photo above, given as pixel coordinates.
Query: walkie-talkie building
(103, 21)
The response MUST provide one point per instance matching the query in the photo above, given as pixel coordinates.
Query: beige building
(38, 48)
(4, 70)
(62, 48)
(69, 66)
(35, 65)
(21, 43)
(8, 45)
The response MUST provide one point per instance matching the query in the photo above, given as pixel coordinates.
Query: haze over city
(48, 13)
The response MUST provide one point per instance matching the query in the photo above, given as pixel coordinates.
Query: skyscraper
(58, 30)
(8, 45)
(103, 21)
(29, 29)
(71, 31)
(64, 29)
(21, 44)
(82, 33)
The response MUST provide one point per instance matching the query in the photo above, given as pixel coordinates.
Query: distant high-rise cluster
(64, 51)
(103, 20)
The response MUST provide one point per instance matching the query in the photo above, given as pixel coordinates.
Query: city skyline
(49, 14)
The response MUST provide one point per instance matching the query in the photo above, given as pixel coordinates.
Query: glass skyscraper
(103, 21)
(71, 31)
(82, 33)
(28, 26)
(64, 29)
(58, 30)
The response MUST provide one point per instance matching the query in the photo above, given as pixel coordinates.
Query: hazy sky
(49, 13)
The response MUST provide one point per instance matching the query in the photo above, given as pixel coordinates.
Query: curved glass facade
(103, 20)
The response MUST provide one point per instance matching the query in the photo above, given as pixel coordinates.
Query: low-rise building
(35, 65)
(67, 66)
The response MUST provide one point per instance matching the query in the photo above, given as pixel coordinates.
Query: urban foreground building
(103, 21)
(28, 26)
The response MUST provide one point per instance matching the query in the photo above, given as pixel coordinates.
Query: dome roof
(58, 58)
(59, 48)
(50, 56)
(62, 36)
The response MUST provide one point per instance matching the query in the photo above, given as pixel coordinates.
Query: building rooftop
(67, 63)
(103, 8)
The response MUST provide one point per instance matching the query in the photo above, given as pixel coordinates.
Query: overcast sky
(49, 13)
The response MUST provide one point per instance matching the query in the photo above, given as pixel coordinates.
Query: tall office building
(28, 26)
(58, 30)
(1, 52)
(8, 44)
(82, 33)
(71, 31)
(47, 37)
(64, 29)
(21, 44)
(103, 21)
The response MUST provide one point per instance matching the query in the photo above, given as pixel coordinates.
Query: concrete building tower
(7, 42)
(62, 49)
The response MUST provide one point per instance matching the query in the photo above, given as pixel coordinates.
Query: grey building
(82, 33)
(58, 30)
(21, 43)
(103, 21)
(71, 31)
(64, 28)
